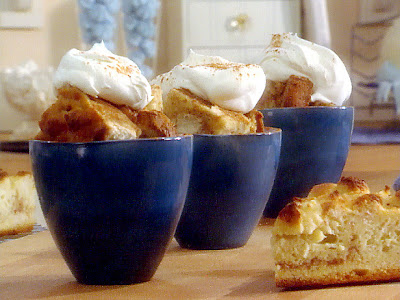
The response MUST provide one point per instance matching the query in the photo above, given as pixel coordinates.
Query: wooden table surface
(32, 268)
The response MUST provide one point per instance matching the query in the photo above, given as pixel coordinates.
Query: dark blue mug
(231, 180)
(112, 207)
(315, 145)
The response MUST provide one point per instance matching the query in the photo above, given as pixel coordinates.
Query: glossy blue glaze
(231, 180)
(112, 207)
(315, 145)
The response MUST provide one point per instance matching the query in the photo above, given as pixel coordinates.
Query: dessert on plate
(340, 233)
(211, 95)
(18, 198)
(102, 96)
(300, 73)
(29, 91)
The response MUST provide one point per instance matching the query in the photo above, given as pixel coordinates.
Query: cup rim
(138, 140)
(268, 131)
(309, 108)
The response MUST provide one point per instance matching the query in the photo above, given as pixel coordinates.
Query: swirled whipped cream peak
(100, 73)
(289, 55)
(233, 86)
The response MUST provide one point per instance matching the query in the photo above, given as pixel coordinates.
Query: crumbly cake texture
(152, 123)
(156, 103)
(339, 234)
(296, 91)
(78, 117)
(194, 115)
(18, 200)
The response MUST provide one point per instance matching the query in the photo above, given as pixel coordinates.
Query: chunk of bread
(155, 103)
(194, 115)
(18, 200)
(77, 117)
(296, 91)
(152, 123)
(340, 233)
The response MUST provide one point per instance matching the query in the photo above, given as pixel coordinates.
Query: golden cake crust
(194, 115)
(78, 117)
(156, 103)
(152, 123)
(340, 233)
(296, 91)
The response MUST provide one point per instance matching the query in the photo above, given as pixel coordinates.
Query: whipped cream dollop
(288, 55)
(233, 86)
(100, 73)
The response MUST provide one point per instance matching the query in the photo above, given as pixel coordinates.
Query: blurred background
(35, 34)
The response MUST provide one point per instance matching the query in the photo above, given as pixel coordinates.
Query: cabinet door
(211, 22)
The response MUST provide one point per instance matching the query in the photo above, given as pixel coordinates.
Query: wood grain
(32, 268)
(373, 158)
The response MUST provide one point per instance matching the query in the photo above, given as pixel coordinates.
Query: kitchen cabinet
(235, 30)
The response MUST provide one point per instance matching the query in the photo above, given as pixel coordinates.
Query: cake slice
(340, 233)
(194, 115)
(18, 200)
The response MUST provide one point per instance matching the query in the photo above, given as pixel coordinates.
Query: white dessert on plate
(28, 91)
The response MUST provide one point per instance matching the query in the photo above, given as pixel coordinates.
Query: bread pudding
(340, 233)
(194, 115)
(152, 123)
(296, 91)
(211, 95)
(300, 73)
(78, 117)
(18, 200)
(102, 96)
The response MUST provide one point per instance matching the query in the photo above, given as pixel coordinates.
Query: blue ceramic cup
(315, 145)
(231, 180)
(112, 207)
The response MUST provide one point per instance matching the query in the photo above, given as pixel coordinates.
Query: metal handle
(237, 23)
